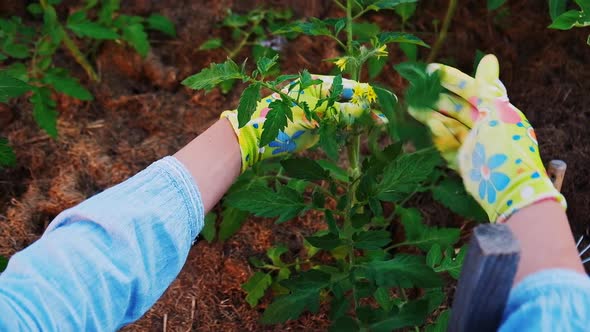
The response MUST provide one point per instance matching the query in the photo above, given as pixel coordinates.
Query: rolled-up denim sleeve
(550, 300)
(103, 263)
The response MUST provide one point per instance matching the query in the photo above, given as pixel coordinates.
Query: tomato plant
(27, 51)
(367, 277)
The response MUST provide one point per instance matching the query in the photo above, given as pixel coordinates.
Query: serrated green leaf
(327, 242)
(400, 37)
(3, 263)
(208, 231)
(313, 27)
(424, 237)
(208, 78)
(434, 256)
(11, 87)
(265, 64)
(383, 298)
(452, 263)
(375, 66)
(135, 35)
(332, 227)
(403, 271)
(451, 193)
(7, 155)
(161, 23)
(232, 220)
(556, 8)
(566, 20)
(256, 286)
(335, 171)
(311, 279)
(291, 306)
(108, 9)
(18, 51)
(404, 174)
(304, 168)
(365, 30)
(264, 202)
(248, 103)
(274, 253)
(388, 4)
(66, 84)
(92, 30)
(211, 44)
(495, 4)
(405, 11)
(425, 87)
(371, 239)
(411, 314)
(44, 111)
(328, 141)
(276, 121)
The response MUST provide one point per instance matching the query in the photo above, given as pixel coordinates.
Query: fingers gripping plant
(371, 281)
(26, 53)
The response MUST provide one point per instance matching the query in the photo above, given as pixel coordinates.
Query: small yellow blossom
(363, 94)
(341, 63)
(381, 51)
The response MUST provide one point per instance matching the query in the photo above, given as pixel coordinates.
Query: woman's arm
(104, 263)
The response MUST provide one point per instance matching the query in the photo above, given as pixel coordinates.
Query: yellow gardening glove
(301, 133)
(488, 141)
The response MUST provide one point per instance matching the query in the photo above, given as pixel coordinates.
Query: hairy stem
(444, 30)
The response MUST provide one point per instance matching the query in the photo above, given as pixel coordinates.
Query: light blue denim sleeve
(550, 300)
(103, 263)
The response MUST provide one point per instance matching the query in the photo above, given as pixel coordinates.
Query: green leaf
(495, 4)
(248, 103)
(404, 174)
(44, 111)
(232, 220)
(256, 286)
(383, 298)
(388, 4)
(92, 30)
(3, 263)
(313, 27)
(208, 231)
(108, 9)
(62, 82)
(264, 202)
(11, 87)
(211, 44)
(328, 140)
(375, 66)
(161, 23)
(311, 279)
(371, 239)
(441, 324)
(403, 271)
(364, 30)
(7, 157)
(556, 8)
(410, 50)
(276, 121)
(35, 9)
(451, 193)
(425, 87)
(265, 64)
(274, 253)
(304, 168)
(327, 242)
(388, 102)
(424, 237)
(18, 51)
(135, 35)
(452, 263)
(411, 314)
(208, 78)
(332, 227)
(335, 171)
(291, 306)
(400, 37)
(344, 324)
(434, 256)
(566, 20)
(405, 11)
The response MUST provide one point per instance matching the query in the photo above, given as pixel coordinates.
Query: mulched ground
(141, 113)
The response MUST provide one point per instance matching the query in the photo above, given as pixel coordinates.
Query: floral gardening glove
(301, 133)
(488, 141)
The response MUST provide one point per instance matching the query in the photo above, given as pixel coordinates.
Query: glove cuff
(248, 138)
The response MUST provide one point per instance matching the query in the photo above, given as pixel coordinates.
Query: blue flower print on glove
(490, 181)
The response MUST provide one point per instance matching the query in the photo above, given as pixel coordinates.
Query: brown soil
(141, 113)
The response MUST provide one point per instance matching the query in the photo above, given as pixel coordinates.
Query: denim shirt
(103, 263)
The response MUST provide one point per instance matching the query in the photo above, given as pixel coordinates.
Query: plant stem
(349, 29)
(443, 32)
(73, 49)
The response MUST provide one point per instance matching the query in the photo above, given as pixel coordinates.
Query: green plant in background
(372, 280)
(26, 53)
(565, 20)
(254, 29)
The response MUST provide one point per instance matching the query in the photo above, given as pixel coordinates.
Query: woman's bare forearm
(214, 161)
